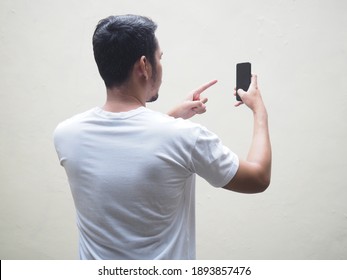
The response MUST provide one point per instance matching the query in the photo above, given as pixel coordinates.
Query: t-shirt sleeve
(213, 161)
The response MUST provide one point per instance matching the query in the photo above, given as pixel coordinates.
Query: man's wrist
(260, 113)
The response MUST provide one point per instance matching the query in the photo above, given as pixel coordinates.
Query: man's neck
(122, 100)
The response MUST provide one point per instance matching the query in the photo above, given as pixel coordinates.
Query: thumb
(198, 107)
(241, 92)
(195, 104)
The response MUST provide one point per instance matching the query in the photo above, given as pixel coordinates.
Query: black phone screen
(243, 77)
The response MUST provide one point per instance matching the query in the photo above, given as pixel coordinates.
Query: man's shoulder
(72, 121)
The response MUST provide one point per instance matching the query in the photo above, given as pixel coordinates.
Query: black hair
(118, 42)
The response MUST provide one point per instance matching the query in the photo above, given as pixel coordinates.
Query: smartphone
(243, 77)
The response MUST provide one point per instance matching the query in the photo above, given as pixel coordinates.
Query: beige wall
(298, 49)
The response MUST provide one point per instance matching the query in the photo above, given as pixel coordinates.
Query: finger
(197, 104)
(237, 104)
(198, 107)
(204, 100)
(240, 92)
(197, 92)
(254, 81)
(200, 110)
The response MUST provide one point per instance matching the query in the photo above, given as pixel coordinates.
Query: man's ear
(144, 67)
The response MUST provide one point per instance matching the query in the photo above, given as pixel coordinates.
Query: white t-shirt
(132, 177)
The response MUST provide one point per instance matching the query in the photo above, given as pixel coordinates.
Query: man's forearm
(260, 150)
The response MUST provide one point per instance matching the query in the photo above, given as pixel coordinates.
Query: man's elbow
(250, 187)
(251, 179)
(259, 182)
(263, 183)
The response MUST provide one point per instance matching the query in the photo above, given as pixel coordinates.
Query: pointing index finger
(197, 92)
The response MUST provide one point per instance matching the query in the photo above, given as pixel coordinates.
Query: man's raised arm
(254, 173)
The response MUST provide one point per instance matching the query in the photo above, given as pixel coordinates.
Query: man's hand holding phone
(252, 97)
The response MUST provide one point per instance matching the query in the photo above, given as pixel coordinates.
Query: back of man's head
(118, 42)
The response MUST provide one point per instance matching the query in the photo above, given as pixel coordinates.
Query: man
(132, 170)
